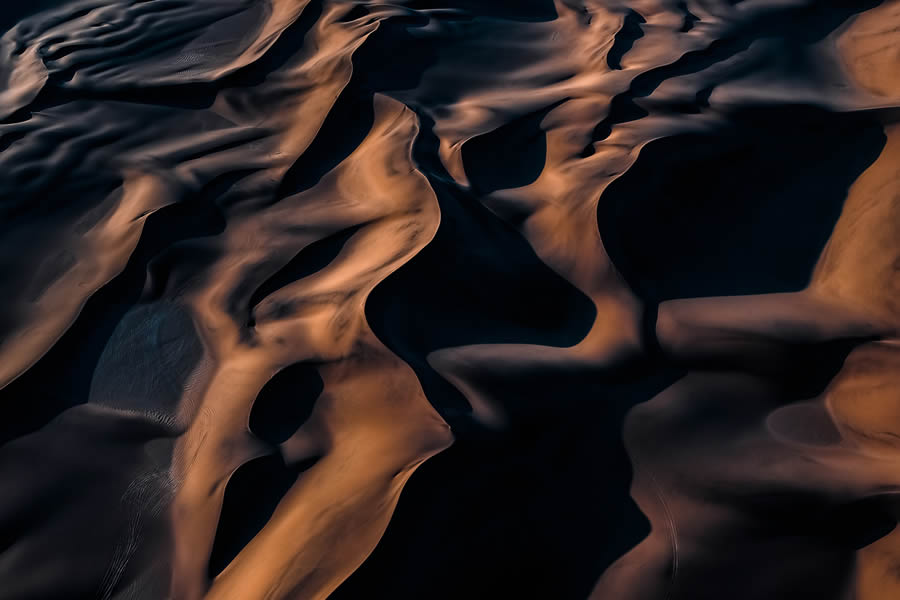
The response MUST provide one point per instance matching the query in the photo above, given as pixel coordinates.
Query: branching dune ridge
(482, 299)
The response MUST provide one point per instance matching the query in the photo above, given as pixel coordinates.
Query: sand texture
(450, 300)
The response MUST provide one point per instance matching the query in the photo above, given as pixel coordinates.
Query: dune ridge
(604, 287)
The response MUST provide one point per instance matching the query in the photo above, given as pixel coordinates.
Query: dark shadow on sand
(744, 210)
(547, 495)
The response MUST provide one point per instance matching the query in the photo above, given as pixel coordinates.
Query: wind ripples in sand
(264, 259)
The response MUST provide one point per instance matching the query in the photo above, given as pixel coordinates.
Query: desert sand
(552, 299)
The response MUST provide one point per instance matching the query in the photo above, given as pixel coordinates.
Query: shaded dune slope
(606, 289)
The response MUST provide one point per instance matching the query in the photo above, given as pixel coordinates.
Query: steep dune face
(604, 287)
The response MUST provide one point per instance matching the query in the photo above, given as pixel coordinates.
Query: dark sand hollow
(452, 299)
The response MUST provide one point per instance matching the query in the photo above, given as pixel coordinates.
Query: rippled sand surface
(482, 299)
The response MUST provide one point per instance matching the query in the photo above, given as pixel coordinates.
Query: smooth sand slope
(309, 299)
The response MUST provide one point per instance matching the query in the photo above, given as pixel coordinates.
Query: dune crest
(313, 299)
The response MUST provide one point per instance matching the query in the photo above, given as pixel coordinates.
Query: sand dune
(513, 299)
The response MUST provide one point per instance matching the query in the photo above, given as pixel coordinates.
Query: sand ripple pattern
(616, 279)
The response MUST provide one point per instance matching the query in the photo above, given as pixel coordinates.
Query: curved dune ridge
(606, 288)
